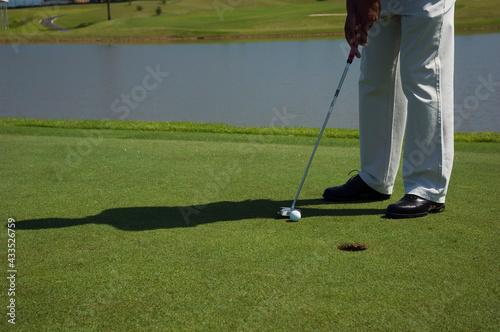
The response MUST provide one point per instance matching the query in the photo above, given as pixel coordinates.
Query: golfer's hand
(361, 14)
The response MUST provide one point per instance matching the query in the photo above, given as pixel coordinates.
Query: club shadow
(163, 217)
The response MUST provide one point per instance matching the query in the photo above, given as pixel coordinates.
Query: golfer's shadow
(149, 218)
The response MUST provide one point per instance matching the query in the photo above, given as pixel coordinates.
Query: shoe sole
(392, 215)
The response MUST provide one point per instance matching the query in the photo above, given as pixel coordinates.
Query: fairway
(139, 21)
(143, 230)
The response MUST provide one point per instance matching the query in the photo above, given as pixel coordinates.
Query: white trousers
(406, 90)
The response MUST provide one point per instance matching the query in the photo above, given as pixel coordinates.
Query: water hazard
(289, 83)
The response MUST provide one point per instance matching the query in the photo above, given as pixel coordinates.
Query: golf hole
(352, 247)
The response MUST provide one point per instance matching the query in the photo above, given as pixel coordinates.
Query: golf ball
(295, 215)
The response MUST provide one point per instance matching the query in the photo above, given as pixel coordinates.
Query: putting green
(150, 230)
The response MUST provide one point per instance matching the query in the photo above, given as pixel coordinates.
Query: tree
(109, 12)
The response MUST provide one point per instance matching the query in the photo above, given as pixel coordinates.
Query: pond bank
(25, 40)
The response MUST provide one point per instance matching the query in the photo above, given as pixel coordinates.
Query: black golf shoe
(412, 206)
(354, 190)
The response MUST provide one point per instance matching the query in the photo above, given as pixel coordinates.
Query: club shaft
(349, 61)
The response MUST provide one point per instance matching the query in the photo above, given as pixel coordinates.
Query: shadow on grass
(150, 218)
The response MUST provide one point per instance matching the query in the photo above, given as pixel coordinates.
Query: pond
(286, 83)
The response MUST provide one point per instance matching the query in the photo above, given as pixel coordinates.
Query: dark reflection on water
(288, 83)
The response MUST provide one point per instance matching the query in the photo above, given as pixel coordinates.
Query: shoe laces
(355, 175)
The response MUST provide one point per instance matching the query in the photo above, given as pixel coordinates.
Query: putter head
(285, 212)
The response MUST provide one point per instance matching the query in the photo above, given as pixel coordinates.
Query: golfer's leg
(427, 54)
(381, 106)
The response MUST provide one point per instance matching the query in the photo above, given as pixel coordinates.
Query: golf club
(286, 211)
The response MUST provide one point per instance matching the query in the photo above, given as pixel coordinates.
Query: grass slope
(177, 233)
(152, 129)
(194, 18)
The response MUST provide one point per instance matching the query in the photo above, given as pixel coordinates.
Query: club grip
(354, 48)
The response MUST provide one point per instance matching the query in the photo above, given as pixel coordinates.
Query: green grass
(169, 230)
(152, 129)
(195, 18)
(180, 19)
(477, 13)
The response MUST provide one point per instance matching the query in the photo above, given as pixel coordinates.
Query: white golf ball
(295, 215)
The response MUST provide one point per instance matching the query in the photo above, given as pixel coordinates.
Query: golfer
(405, 90)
